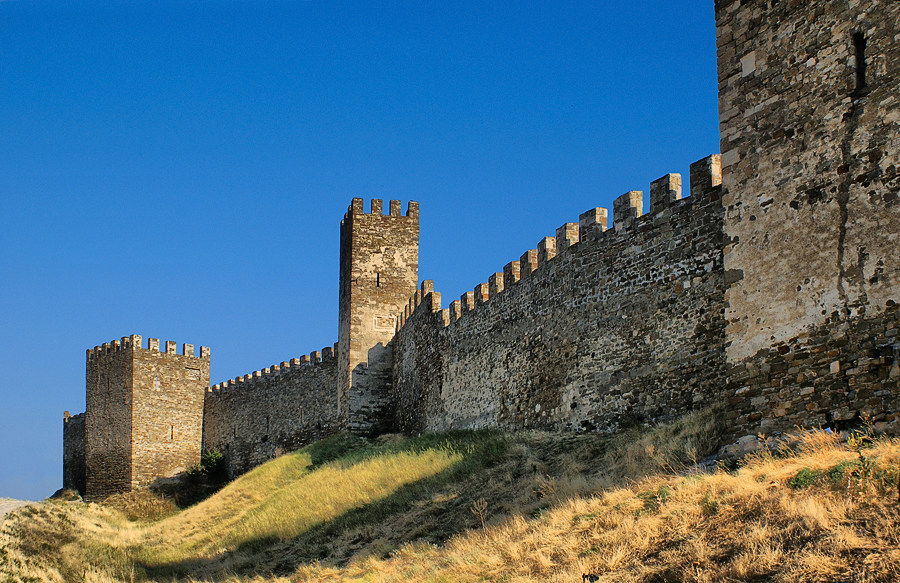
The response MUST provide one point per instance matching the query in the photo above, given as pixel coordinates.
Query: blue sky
(179, 169)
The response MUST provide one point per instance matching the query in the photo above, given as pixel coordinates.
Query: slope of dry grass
(476, 506)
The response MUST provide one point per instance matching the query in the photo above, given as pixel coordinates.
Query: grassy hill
(489, 506)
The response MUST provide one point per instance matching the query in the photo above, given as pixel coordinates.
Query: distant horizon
(179, 170)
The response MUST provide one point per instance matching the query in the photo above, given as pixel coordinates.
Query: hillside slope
(488, 506)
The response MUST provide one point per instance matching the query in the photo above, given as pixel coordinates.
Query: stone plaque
(384, 322)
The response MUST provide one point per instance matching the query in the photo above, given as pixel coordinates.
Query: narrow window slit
(859, 44)
(378, 280)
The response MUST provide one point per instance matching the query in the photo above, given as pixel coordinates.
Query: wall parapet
(665, 195)
(325, 357)
(135, 341)
(258, 416)
(376, 208)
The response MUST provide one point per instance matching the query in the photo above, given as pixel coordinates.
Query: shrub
(214, 466)
(805, 478)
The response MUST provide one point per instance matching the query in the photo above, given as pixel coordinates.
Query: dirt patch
(8, 505)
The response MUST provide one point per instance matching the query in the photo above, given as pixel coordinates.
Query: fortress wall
(419, 349)
(810, 132)
(107, 422)
(594, 329)
(836, 374)
(167, 410)
(254, 418)
(73, 452)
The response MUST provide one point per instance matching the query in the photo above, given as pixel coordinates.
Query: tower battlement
(134, 342)
(379, 266)
(144, 412)
(376, 208)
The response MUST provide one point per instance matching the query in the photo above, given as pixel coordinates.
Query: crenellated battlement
(376, 208)
(665, 198)
(134, 343)
(426, 295)
(326, 357)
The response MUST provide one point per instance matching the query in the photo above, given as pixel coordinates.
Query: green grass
(805, 478)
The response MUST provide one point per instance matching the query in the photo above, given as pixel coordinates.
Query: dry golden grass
(282, 502)
(555, 507)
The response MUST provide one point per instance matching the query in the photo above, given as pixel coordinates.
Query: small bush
(214, 465)
(805, 478)
(837, 472)
(653, 499)
(709, 505)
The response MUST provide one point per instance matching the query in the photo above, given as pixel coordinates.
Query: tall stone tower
(144, 415)
(810, 141)
(378, 275)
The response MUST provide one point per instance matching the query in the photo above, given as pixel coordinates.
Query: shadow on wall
(371, 401)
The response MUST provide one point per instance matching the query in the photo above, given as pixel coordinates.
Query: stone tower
(144, 415)
(810, 141)
(379, 269)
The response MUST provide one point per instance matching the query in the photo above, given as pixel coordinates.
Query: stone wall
(370, 407)
(838, 374)
(593, 330)
(73, 452)
(253, 418)
(379, 270)
(167, 409)
(810, 133)
(108, 420)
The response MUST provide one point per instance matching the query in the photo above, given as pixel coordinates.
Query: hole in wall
(859, 47)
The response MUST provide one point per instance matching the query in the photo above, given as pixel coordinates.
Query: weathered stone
(275, 411)
(811, 184)
(144, 416)
(73, 452)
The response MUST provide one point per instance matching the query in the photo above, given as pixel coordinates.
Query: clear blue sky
(179, 169)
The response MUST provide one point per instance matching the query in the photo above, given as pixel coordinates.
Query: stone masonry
(773, 289)
(810, 130)
(73, 452)
(379, 272)
(254, 418)
(144, 416)
(595, 329)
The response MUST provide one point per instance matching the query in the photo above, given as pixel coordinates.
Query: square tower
(810, 142)
(378, 274)
(144, 414)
